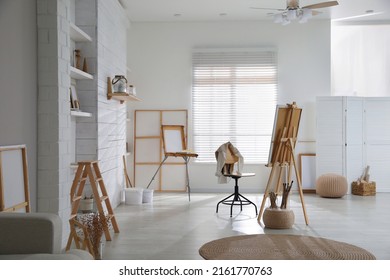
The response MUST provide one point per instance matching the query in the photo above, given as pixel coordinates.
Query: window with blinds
(234, 96)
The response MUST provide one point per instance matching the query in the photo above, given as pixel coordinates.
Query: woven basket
(278, 218)
(364, 188)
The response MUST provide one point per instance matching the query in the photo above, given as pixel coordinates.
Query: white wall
(159, 55)
(112, 25)
(18, 80)
(360, 64)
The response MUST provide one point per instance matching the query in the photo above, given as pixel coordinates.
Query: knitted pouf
(331, 185)
(278, 218)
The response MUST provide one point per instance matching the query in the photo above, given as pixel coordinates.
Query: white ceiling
(212, 10)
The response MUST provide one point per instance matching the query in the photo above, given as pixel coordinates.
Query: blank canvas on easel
(173, 138)
(14, 192)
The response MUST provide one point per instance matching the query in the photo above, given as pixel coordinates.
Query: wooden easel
(174, 144)
(282, 152)
(89, 170)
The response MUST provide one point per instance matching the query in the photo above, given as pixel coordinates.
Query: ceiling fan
(294, 11)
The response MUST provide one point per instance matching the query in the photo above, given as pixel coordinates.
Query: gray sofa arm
(30, 233)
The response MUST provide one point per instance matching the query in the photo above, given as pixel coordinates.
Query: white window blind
(234, 95)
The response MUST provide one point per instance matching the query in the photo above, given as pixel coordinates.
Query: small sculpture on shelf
(85, 65)
(77, 59)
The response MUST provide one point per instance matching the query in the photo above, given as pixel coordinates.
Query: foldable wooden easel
(282, 152)
(89, 170)
(14, 189)
(174, 145)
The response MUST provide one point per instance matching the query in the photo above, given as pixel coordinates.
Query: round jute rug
(281, 247)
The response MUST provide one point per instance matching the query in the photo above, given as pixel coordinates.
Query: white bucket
(147, 196)
(133, 196)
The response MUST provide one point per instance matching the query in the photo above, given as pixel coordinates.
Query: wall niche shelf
(79, 74)
(80, 114)
(78, 35)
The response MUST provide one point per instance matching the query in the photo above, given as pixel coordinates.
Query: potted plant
(94, 225)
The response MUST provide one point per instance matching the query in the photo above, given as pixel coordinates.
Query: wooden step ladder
(90, 170)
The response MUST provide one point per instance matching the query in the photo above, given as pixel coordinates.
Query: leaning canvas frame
(147, 134)
(173, 139)
(14, 189)
(307, 172)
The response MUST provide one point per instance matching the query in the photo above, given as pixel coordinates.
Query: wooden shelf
(79, 75)
(122, 97)
(80, 114)
(78, 35)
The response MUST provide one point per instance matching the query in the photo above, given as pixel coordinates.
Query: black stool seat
(236, 198)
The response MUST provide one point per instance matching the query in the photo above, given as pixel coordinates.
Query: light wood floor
(172, 228)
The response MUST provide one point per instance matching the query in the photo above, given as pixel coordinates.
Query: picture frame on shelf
(74, 101)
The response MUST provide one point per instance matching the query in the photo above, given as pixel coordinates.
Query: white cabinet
(377, 140)
(353, 132)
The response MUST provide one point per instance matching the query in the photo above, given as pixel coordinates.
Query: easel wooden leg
(266, 192)
(279, 183)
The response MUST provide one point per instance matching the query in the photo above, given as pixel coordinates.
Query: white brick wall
(61, 136)
(54, 125)
(112, 60)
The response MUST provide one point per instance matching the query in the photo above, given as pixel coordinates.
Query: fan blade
(322, 5)
(314, 12)
(271, 9)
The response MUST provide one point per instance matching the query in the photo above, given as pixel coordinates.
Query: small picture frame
(74, 101)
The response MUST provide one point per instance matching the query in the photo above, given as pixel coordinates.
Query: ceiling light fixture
(302, 15)
(294, 12)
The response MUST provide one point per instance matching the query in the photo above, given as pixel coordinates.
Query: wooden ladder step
(76, 198)
(72, 216)
(84, 173)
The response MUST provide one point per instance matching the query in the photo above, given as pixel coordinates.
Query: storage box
(147, 196)
(364, 188)
(133, 196)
